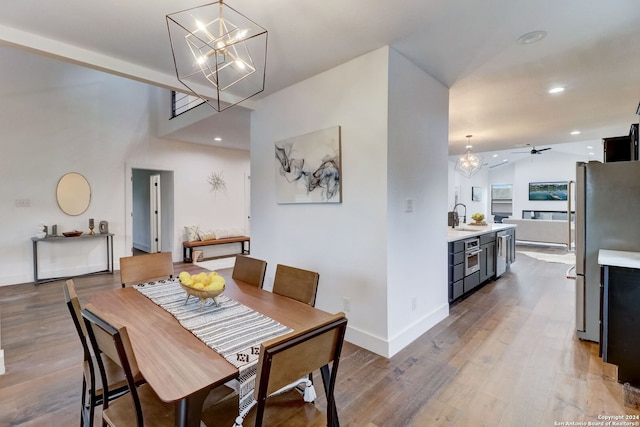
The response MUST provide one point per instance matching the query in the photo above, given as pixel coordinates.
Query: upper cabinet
(622, 148)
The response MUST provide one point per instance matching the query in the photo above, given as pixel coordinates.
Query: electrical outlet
(414, 303)
(346, 304)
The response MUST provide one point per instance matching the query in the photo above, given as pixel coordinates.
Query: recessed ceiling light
(589, 147)
(495, 155)
(575, 132)
(532, 37)
(557, 89)
(217, 139)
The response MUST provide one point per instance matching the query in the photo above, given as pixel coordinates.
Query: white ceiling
(498, 87)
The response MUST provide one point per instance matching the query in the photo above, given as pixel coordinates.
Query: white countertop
(619, 258)
(464, 231)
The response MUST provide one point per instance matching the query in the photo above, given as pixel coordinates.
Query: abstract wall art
(309, 169)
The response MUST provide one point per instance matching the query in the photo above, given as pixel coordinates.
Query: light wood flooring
(506, 356)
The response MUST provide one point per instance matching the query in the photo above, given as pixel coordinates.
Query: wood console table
(60, 239)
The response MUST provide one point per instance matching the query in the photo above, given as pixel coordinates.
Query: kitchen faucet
(464, 217)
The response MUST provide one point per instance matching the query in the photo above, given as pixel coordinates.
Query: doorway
(151, 211)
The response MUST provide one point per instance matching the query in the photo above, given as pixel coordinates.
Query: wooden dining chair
(282, 360)
(141, 406)
(92, 390)
(249, 270)
(296, 283)
(143, 268)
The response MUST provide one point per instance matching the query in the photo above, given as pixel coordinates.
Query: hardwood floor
(506, 356)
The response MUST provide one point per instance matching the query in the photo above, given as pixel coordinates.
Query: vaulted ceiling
(498, 87)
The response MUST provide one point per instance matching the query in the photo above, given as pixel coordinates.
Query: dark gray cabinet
(487, 257)
(512, 247)
(456, 269)
(459, 284)
(620, 321)
(471, 281)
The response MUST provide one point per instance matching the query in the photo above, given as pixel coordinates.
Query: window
(502, 199)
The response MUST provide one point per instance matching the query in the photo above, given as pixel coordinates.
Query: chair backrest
(296, 283)
(110, 337)
(249, 270)
(73, 304)
(289, 357)
(142, 268)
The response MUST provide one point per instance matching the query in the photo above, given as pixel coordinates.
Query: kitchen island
(478, 254)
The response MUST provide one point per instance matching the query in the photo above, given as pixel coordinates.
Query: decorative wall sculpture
(308, 168)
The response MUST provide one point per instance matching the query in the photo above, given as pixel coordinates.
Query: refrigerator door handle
(571, 272)
(580, 301)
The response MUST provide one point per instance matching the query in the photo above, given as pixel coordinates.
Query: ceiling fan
(533, 151)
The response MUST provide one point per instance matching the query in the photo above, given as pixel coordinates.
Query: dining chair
(301, 285)
(296, 283)
(143, 268)
(249, 270)
(141, 404)
(92, 390)
(282, 360)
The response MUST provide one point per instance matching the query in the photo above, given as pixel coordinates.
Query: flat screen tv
(548, 190)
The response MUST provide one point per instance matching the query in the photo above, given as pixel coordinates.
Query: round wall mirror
(73, 194)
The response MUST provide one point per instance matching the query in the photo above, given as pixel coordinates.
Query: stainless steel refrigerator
(607, 217)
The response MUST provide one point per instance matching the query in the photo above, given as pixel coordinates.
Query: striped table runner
(230, 328)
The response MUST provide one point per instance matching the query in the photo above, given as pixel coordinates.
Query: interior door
(154, 212)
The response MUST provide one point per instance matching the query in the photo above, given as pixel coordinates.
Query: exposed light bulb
(558, 89)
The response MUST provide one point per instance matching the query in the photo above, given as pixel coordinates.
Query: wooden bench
(187, 247)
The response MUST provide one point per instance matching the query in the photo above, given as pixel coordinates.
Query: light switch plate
(409, 205)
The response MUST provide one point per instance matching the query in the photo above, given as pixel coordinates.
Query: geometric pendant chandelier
(469, 163)
(219, 54)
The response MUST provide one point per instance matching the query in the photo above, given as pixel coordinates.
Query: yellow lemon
(188, 281)
(183, 275)
(217, 283)
(206, 281)
(198, 285)
(213, 274)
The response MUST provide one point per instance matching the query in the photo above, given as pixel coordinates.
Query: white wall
(463, 186)
(349, 243)
(550, 166)
(417, 163)
(554, 165)
(57, 118)
(346, 243)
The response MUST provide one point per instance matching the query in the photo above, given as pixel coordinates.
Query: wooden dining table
(175, 363)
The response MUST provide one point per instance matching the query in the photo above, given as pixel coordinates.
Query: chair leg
(83, 402)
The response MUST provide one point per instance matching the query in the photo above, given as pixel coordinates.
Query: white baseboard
(413, 331)
(2, 371)
(387, 348)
